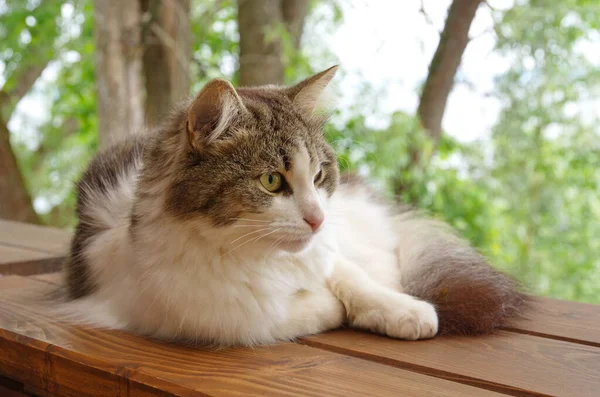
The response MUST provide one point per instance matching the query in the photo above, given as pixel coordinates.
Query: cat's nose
(314, 221)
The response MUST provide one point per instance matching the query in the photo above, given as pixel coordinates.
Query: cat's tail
(470, 296)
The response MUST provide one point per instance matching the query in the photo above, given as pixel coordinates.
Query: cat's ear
(306, 94)
(211, 112)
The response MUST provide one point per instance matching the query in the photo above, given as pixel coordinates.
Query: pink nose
(314, 223)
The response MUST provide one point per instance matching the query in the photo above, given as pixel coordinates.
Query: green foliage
(546, 155)
(215, 41)
(384, 156)
(527, 197)
(65, 143)
(28, 30)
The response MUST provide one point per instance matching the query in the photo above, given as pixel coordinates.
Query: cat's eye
(318, 177)
(272, 181)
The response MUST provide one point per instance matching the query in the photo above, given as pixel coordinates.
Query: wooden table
(29, 249)
(554, 352)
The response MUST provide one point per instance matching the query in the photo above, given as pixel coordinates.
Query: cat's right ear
(306, 94)
(211, 112)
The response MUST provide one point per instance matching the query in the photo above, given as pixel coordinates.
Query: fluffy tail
(436, 266)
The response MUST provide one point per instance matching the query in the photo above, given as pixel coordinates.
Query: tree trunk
(439, 82)
(15, 202)
(261, 58)
(294, 14)
(445, 62)
(118, 69)
(167, 55)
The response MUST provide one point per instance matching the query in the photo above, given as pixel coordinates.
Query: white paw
(401, 317)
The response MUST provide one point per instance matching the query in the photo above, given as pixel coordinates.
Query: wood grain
(10, 254)
(553, 351)
(6, 392)
(512, 363)
(568, 321)
(51, 278)
(551, 318)
(64, 360)
(13, 282)
(47, 264)
(10, 388)
(35, 238)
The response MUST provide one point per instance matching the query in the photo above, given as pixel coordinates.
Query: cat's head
(256, 167)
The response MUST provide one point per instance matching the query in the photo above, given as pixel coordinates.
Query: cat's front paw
(403, 317)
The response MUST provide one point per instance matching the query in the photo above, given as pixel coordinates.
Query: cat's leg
(376, 308)
(310, 312)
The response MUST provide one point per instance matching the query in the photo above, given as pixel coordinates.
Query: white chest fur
(178, 289)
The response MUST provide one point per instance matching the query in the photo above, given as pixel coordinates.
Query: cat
(229, 224)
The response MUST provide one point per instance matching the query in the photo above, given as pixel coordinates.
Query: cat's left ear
(306, 95)
(211, 113)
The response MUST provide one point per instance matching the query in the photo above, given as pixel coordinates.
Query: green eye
(272, 182)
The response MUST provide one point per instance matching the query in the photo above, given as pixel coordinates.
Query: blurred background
(483, 113)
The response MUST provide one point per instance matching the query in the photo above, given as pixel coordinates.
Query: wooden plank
(32, 267)
(13, 282)
(10, 388)
(29, 249)
(64, 360)
(511, 363)
(33, 237)
(6, 392)
(11, 254)
(569, 321)
(51, 278)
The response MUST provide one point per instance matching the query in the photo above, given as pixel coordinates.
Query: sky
(389, 43)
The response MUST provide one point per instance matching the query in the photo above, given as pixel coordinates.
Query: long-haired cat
(228, 225)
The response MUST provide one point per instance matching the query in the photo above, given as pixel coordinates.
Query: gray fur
(213, 178)
(101, 176)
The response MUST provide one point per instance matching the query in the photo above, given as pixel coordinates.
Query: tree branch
(428, 19)
(15, 201)
(294, 14)
(167, 41)
(445, 63)
(23, 78)
(167, 54)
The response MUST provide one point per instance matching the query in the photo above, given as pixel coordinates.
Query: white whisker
(248, 219)
(274, 244)
(248, 234)
(242, 244)
(265, 235)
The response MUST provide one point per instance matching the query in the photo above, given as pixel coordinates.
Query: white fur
(231, 106)
(266, 278)
(311, 97)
